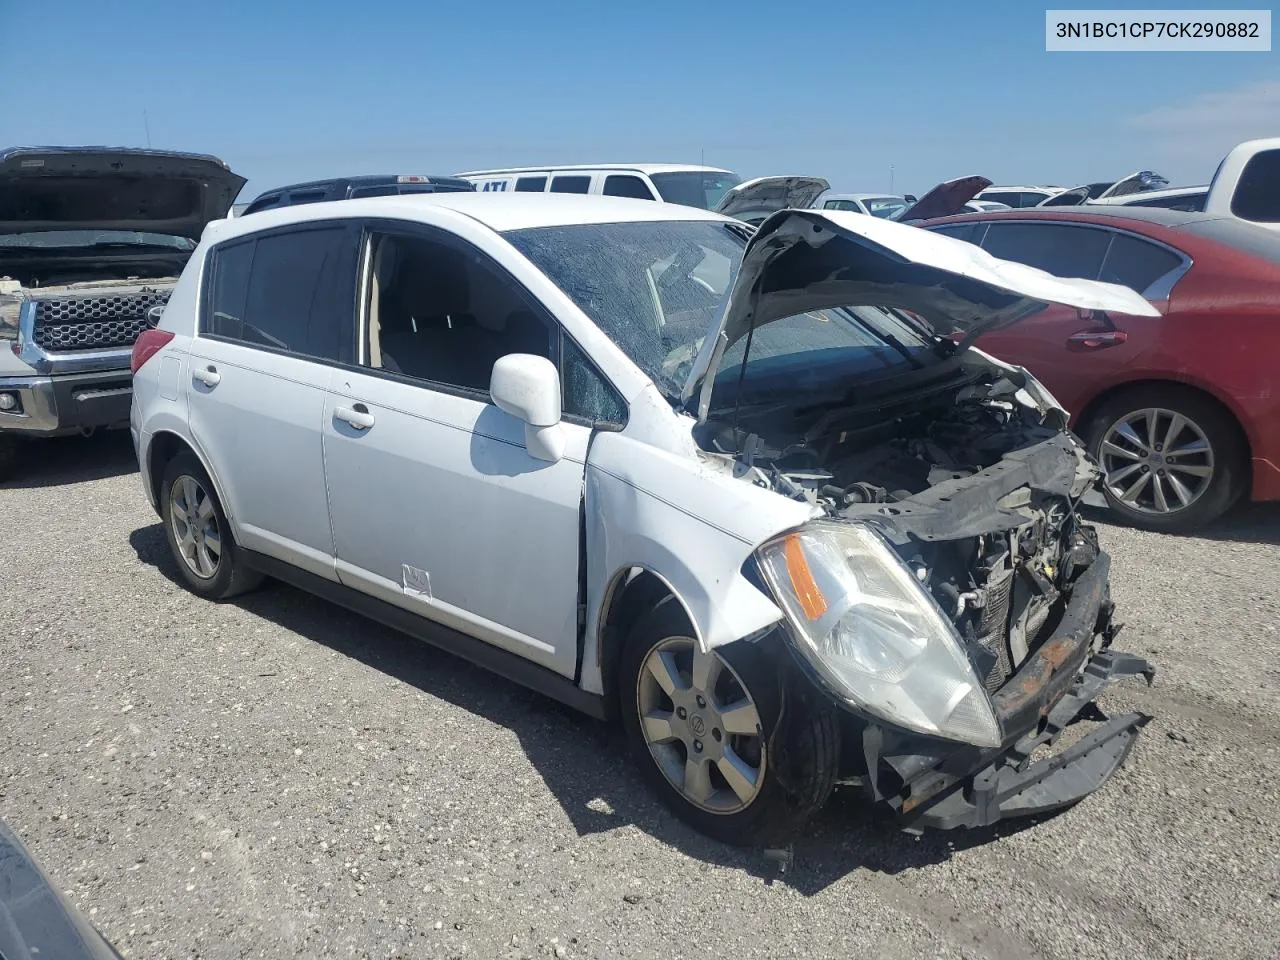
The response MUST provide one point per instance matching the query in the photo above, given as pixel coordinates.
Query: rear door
(1073, 354)
(278, 313)
(1043, 342)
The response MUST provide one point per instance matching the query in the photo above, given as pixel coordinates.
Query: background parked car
(1140, 182)
(1182, 411)
(693, 186)
(872, 204)
(347, 188)
(1019, 196)
(984, 206)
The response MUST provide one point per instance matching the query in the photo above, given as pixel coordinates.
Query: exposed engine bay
(972, 483)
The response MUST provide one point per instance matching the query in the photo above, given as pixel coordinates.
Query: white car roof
(498, 211)
(1022, 186)
(862, 196)
(645, 168)
(1152, 195)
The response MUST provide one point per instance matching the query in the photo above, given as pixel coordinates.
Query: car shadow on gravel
(1243, 523)
(585, 763)
(67, 460)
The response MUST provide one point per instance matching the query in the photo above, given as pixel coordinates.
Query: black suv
(347, 188)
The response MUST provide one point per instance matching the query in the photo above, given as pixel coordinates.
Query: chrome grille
(93, 323)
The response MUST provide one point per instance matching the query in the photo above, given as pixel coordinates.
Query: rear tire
(1208, 469)
(738, 749)
(199, 536)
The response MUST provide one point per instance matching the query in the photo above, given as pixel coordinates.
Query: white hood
(803, 260)
(753, 200)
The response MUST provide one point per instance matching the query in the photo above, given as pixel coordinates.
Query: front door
(278, 313)
(437, 506)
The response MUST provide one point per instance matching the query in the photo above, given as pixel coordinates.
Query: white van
(708, 188)
(692, 186)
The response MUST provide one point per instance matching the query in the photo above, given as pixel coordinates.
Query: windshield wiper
(888, 338)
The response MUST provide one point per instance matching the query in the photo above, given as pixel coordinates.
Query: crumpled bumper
(929, 783)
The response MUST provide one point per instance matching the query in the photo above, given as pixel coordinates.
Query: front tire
(1173, 460)
(731, 745)
(199, 536)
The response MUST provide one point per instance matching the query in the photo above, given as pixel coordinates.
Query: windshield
(49, 239)
(695, 188)
(657, 288)
(886, 207)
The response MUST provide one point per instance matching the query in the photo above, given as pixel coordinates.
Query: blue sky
(287, 90)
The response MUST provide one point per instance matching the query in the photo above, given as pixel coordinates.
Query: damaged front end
(948, 595)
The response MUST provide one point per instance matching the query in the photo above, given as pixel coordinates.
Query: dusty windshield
(657, 288)
(695, 188)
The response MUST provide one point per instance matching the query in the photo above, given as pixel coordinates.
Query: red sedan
(1181, 410)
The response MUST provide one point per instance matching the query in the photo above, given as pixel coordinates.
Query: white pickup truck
(1245, 186)
(92, 239)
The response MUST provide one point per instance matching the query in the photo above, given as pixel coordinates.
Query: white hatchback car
(490, 421)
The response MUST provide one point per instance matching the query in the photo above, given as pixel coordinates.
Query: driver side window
(443, 313)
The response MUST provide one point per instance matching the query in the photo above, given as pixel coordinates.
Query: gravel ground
(277, 778)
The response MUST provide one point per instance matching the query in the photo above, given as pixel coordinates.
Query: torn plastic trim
(970, 506)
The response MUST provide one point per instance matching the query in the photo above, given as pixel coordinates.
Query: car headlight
(874, 634)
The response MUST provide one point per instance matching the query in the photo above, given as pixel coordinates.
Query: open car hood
(1067, 198)
(753, 200)
(946, 199)
(113, 188)
(1137, 182)
(804, 260)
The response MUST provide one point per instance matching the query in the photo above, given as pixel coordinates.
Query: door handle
(209, 376)
(1097, 339)
(357, 415)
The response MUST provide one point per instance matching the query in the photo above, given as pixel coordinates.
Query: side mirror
(528, 387)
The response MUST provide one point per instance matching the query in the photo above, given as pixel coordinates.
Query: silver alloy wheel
(195, 526)
(701, 726)
(1156, 460)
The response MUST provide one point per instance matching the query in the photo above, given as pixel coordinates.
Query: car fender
(169, 422)
(687, 522)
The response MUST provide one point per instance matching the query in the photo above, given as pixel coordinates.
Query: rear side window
(292, 291)
(571, 185)
(531, 184)
(1064, 251)
(961, 231)
(625, 185)
(1135, 263)
(842, 205)
(1257, 195)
